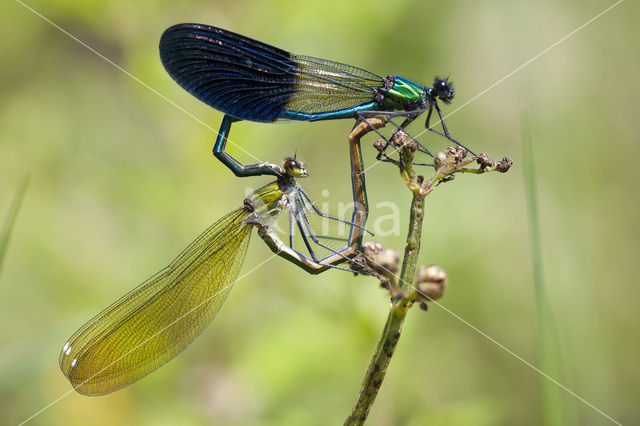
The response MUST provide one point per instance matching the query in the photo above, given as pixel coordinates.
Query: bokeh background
(121, 181)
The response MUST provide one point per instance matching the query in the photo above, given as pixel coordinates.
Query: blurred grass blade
(10, 220)
(555, 407)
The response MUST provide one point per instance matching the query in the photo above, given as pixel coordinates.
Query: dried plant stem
(401, 287)
(399, 307)
(393, 327)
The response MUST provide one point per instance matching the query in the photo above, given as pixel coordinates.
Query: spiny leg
(358, 218)
(297, 212)
(409, 118)
(299, 217)
(444, 127)
(362, 115)
(421, 147)
(308, 202)
(308, 232)
(291, 228)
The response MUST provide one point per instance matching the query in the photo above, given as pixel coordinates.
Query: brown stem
(448, 164)
(397, 313)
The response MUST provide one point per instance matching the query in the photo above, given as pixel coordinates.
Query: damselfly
(157, 320)
(250, 80)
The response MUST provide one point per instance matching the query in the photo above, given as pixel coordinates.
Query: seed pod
(431, 281)
(372, 248)
(388, 260)
(399, 137)
(379, 145)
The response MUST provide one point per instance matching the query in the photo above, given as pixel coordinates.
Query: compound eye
(294, 168)
(443, 89)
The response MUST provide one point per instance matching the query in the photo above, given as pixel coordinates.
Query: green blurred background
(121, 181)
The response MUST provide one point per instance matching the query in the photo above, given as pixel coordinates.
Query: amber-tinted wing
(158, 319)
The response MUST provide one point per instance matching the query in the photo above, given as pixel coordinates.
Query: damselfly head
(294, 168)
(443, 89)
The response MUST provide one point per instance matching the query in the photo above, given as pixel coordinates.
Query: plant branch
(431, 280)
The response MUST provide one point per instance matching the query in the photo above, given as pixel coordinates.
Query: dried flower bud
(485, 161)
(372, 248)
(388, 260)
(431, 281)
(399, 137)
(431, 273)
(379, 145)
(379, 258)
(504, 165)
(457, 153)
(441, 157)
(358, 264)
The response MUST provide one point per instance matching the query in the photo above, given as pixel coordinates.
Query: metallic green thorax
(403, 95)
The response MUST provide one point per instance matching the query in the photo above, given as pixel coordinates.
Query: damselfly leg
(444, 126)
(387, 116)
(300, 203)
(239, 169)
(157, 320)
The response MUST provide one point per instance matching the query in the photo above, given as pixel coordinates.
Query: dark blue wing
(251, 80)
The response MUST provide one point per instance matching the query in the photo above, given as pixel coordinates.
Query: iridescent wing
(158, 319)
(251, 80)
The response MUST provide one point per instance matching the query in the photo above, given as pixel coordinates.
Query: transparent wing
(324, 86)
(158, 319)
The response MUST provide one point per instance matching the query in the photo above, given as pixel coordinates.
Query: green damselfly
(250, 80)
